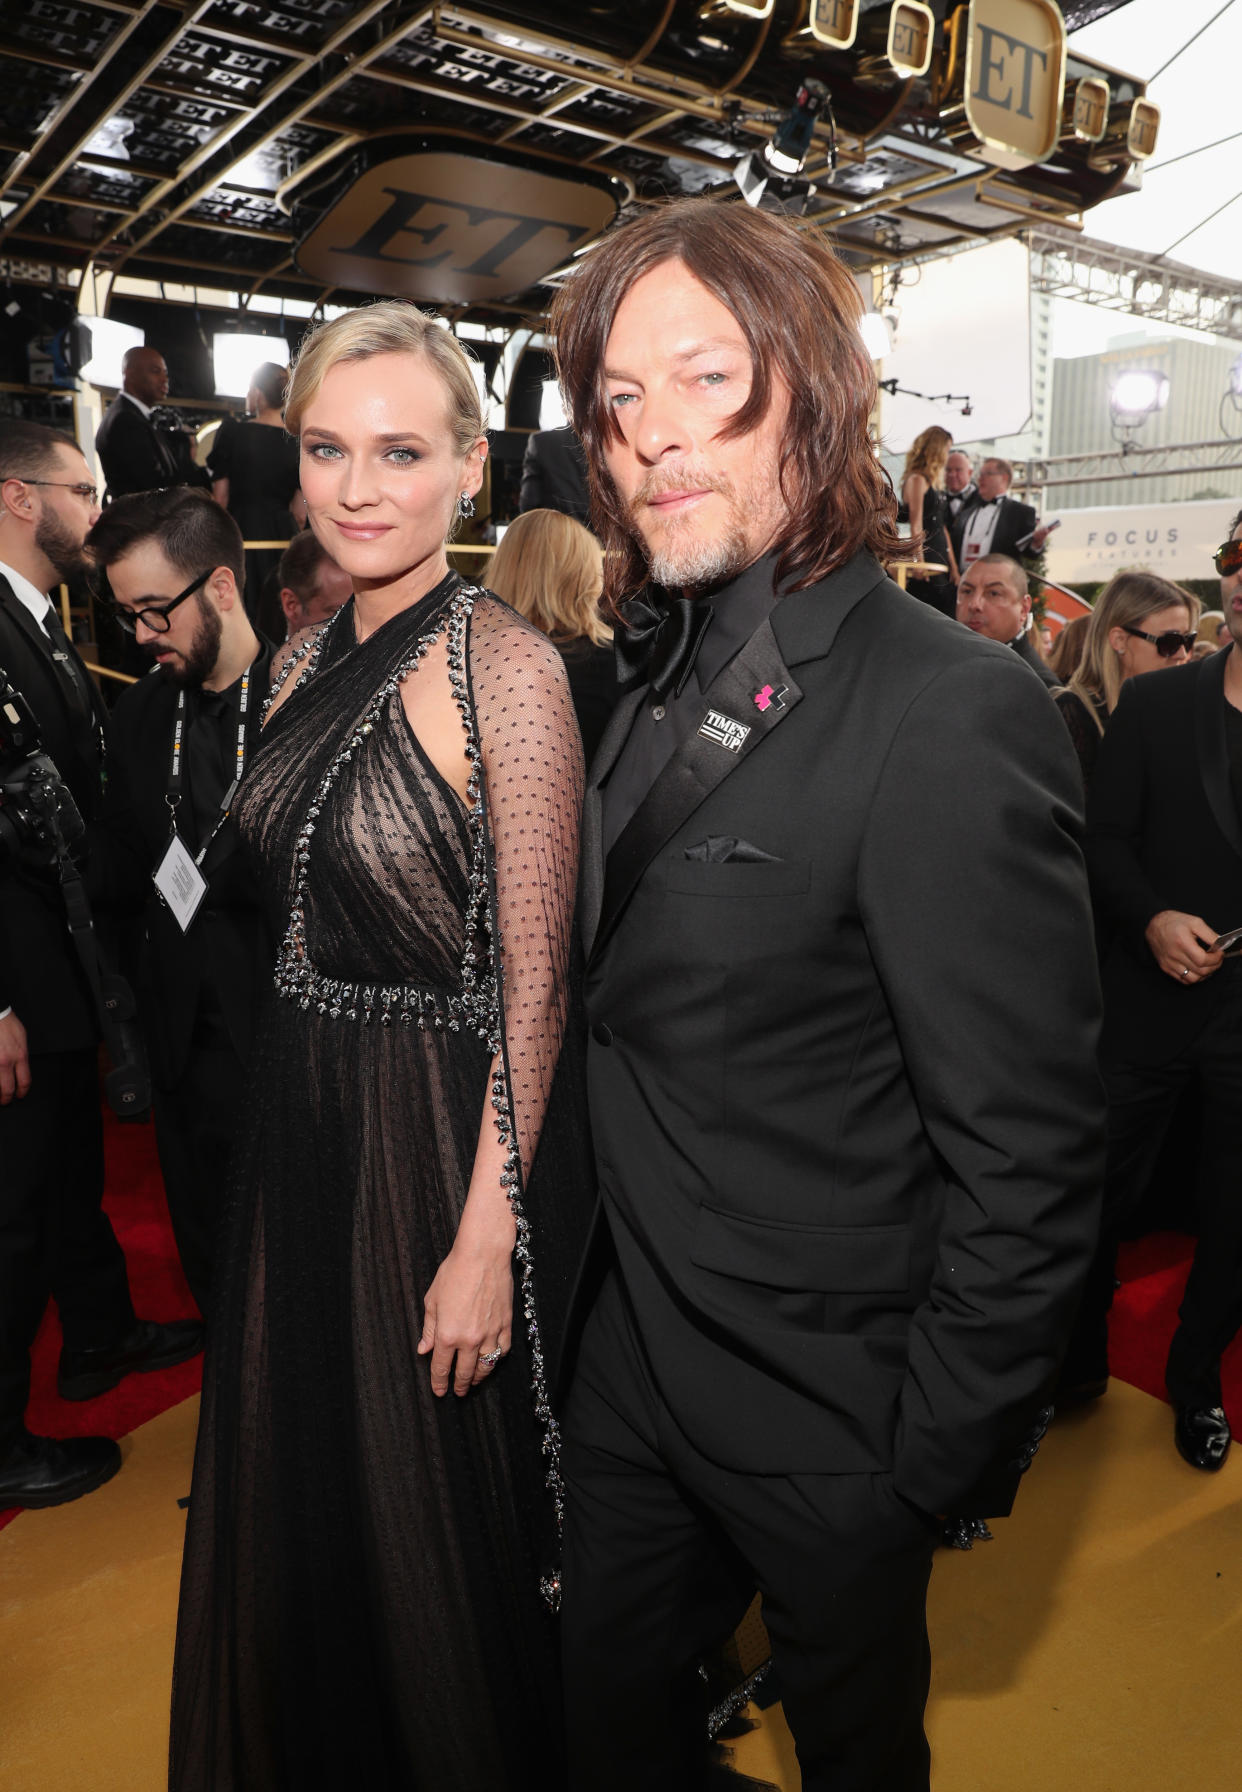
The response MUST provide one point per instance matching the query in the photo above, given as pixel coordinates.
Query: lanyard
(173, 796)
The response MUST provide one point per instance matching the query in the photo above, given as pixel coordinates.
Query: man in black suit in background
(992, 522)
(1164, 848)
(54, 1236)
(994, 600)
(175, 567)
(136, 454)
(554, 475)
(848, 1150)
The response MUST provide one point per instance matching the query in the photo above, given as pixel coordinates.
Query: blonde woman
(927, 506)
(1140, 623)
(551, 570)
(377, 1485)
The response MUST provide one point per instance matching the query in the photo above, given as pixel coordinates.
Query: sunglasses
(1171, 642)
(1228, 558)
(157, 619)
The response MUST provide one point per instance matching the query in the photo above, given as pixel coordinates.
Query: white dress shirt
(980, 528)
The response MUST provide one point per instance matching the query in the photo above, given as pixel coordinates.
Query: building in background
(1080, 421)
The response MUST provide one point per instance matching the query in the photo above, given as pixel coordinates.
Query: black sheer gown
(361, 1599)
(939, 591)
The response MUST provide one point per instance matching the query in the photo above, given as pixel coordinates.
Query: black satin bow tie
(660, 640)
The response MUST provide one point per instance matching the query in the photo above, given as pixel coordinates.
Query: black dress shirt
(659, 727)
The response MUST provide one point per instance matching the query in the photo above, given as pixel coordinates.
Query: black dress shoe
(1202, 1436)
(84, 1373)
(47, 1471)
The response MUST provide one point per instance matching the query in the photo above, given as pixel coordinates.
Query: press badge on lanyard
(177, 877)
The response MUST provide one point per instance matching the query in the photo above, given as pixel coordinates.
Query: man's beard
(59, 546)
(198, 661)
(693, 563)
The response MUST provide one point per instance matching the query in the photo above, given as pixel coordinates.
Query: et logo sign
(448, 227)
(1015, 79)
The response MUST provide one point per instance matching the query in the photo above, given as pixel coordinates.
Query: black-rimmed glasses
(1172, 641)
(67, 485)
(157, 619)
(1228, 558)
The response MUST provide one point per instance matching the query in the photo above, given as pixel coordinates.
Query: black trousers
(1142, 1100)
(663, 1553)
(54, 1236)
(195, 1125)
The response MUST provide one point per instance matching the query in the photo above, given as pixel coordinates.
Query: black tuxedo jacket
(228, 948)
(1163, 832)
(135, 456)
(1016, 520)
(843, 1005)
(554, 475)
(40, 976)
(1029, 654)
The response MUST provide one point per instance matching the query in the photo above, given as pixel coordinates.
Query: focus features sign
(1176, 540)
(453, 227)
(1015, 79)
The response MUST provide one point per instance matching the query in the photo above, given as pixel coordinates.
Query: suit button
(601, 1034)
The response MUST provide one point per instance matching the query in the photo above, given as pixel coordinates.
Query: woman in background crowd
(254, 473)
(1065, 655)
(1213, 629)
(376, 1483)
(1140, 623)
(927, 507)
(551, 570)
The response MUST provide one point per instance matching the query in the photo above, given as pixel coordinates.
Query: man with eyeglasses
(1164, 850)
(181, 740)
(54, 1236)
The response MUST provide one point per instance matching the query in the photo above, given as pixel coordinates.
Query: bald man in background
(136, 452)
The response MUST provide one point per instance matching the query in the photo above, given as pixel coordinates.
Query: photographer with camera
(54, 1236)
(179, 744)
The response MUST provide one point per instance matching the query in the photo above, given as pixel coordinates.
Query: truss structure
(1130, 462)
(1069, 266)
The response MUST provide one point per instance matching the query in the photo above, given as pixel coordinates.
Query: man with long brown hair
(848, 1127)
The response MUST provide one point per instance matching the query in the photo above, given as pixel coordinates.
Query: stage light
(877, 335)
(751, 178)
(551, 407)
(108, 343)
(1138, 392)
(235, 357)
(787, 152)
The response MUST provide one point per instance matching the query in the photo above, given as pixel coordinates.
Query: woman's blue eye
(404, 457)
(322, 450)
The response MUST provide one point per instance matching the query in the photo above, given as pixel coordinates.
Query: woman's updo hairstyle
(389, 327)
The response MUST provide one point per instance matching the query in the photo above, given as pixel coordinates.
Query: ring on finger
(1185, 970)
(490, 1358)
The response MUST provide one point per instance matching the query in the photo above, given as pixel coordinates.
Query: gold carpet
(1095, 1646)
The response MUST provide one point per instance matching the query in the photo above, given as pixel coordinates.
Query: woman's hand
(468, 1313)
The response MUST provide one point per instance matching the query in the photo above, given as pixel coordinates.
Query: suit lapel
(801, 628)
(42, 647)
(1212, 745)
(730, 726)
(614, 738)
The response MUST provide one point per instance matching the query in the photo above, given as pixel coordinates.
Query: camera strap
(175, 775)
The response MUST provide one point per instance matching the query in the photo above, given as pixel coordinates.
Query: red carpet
(1153, 1272)
(139, 1214)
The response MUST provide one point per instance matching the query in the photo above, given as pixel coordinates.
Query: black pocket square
(727, 849)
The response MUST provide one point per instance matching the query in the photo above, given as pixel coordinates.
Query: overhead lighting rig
(784, 157)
